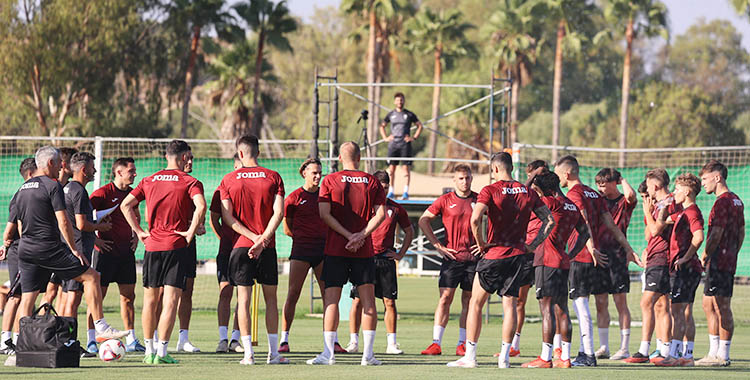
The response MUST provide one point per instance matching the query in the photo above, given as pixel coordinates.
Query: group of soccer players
(343, 227)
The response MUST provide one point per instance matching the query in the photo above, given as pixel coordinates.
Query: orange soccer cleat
(433, 349)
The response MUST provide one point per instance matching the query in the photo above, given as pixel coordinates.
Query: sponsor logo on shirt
(166, 178)
(473, 204)
(246, 175)
(569, 207)
(115, 199)
(30, 185)
(452, 206)
(590, 194)
(737, 202)
(515, 190)
(390, 213)
(350, 179)
(302, 202)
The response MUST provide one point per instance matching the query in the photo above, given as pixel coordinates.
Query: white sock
(390, 189)
(369, 338)
(236, 335)
(391, 339)
(437, 334)
(4, 337)
(461, 336)
(161, 349)
(624, 339)
(667, 349)
(584, 321)
(285, 337)
(676, 348)
(713, 344)
(645, 346)
(687, 352)
(516, 341)
(223, 330)
(15, 338)
(329, 338)
(336, 336)
(546, 351)
(406, 188)
(247, 344)
(471, 350)
(723, 352)
(156, 336)
(659, 345)
(565, 347)
(130, 338)
(149, 346)
(273, 344)
(505, 352)
(354, 338)
(604, 337)
(91, 335)
(100, 325)
(183, 337)
(556, 341)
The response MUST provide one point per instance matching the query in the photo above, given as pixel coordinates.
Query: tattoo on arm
(544, 214)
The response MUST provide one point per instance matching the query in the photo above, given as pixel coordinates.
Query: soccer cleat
(503, 363)
(463, 363)
(248, 361)
(537, 363)
(337, 349)
(284, 347)
(602, 353)
(321, 360)
(668, 362)
(11, 360)
(390, 194)
(654, 354)
(620, 355)
(557, 353)
(559, 363)
(110, 333)
(584, 361)
(513, 352)
(235, 346)
(637, 358)
(656, 359)
(711, 361)
(461, 349)
(149, 359)
(135, 346)
(165, 360)
(85, 354)
(223, 346)
(433, 349)
(351, 348)
(370, 361)
(278, 359)
(91, 350)
(187, 347)
(394, 349)
(405, 196)
(687, 362)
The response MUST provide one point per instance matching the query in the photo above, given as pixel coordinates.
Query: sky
(682, 13)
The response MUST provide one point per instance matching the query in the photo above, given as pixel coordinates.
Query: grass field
(416, 306)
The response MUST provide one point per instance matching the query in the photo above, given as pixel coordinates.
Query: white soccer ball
(111, 350)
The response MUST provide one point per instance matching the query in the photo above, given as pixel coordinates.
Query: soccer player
(114, 253)
(252, 203)
(508, 205)
(655, 303)
(399, 141)
(170, 195)
(458, 265)
(225, 234)
(40, 210)
(386, 277)
(582, 276)
(684, 266)
(726, 232)
(620, 206)
(552, 264)
(351, 203)
(9, 251)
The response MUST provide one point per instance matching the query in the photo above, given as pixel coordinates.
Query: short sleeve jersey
(77, 202)
(728, 213)
(301, 207)
(587, 199)
(533, 230)
(400, 122)
(169, 203)
(686, 222)
(567, 218)
(104, 198)
(384, 236)
(252, 192)
(36, 202)
(456, 216)
(658, 246)
(13, 216)
(621, 212)
(226, 239)
(509, 208)
(353, 196)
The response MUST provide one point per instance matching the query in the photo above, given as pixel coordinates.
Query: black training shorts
(244, 271)
(338, 270)
(551, 282)
(581, 280)
(718, 283)
(683, 285)
(163, 268)
(454, 273)
(36, 267)
(657, 279)
(386, 280)
(501, 276)
(118, 268)
(399, 149)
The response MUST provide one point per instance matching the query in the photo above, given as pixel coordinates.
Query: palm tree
(270, 22)
(441, 34)
(641, 17)
(512, 32)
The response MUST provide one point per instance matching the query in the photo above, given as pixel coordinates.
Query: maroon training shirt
(121, 234)
(586, 198)
(729, 213)
(621, 212)
(567, 218)
(658, 246)
(383, 237)
(686, 222)
(227, 233)
(301, 209)
(456, 215)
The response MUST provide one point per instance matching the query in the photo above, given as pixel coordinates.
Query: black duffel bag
(48, 340)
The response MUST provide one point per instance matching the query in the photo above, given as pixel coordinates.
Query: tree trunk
(437, 78)
(625, 92)
(36, 89)
(556, 89)
(189, 79)
(371, 65)
(257, 109)
(515, 87)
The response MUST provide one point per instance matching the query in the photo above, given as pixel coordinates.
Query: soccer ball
(111, 350)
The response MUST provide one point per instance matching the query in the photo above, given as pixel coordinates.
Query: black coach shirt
(36, 203)
(77, 202)
(400, 123)
(13, 216)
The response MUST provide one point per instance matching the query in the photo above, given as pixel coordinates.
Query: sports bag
(48, 340)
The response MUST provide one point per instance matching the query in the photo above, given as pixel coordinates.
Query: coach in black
(399, 141)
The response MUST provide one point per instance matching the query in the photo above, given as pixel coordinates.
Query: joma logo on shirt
(346, 178)
(166, 177)
(569, 207)
(515, 190)
(251, 175)
(30, 185)
(590, 194)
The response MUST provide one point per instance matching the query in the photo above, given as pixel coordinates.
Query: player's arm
(656, 225)
(324, 208)
(596, 256)
(7, 238)
(83, 224)
(227, 215)
(426, 227)
(381, 128)
(712, 243)
(357, 239)
(129, 207)
(619, 237)
(695, 243)
(583, 238)
(67, 232)
(418, 132)
(273, 224)
(215, 220)
(628, 192)
(286, 225)
(199, 217)
(405, 243)
(548, 223)
(476, 221)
